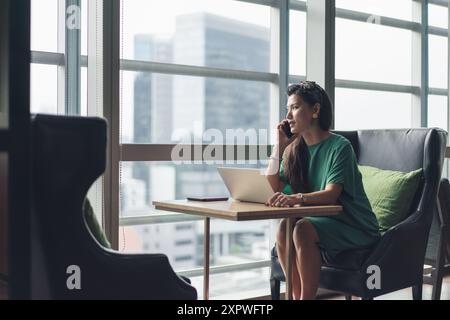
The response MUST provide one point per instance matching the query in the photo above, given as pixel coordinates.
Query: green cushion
(390, 193)
(93, 224)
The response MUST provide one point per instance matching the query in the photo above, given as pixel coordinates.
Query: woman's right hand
(283, 140)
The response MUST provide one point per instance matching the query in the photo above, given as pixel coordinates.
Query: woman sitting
(317, 168)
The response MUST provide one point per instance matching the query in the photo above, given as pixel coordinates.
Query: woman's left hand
(282, 200)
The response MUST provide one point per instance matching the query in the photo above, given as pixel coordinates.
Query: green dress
(333, 161)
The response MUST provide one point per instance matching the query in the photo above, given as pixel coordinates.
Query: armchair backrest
(404, 150)
(69, 154)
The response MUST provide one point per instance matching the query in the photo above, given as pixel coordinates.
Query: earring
(315, 116)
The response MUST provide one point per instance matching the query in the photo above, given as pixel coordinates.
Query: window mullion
(61, 76)
(279, 61)
(320, 58)
(419, 66)
(111, 110)
(72, 56)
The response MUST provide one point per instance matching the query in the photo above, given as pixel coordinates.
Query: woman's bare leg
(281, 250)
(307, 250)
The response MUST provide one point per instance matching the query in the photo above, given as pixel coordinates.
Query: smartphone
(287, 129)
(207, 198)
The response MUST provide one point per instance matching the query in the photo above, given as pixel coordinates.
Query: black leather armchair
(400, 253)
(69, 154)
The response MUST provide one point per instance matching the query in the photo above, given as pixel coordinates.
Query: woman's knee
(281, 232)
(305, 233)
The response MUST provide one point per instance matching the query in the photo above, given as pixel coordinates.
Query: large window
(51, 82)
(374, 53)
(371, 109)
(192, 71)
(162, 108)
(189, 70)
(378, 48)
(380, 60)
(197, 32)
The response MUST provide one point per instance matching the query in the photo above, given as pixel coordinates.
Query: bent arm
(273, 172)
(329, 196)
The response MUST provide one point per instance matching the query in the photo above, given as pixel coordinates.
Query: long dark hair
(296, 164)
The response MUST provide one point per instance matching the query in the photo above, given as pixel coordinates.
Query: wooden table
(245, 211)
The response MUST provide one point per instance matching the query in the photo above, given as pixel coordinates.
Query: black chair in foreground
(400, 253)
(68, 155)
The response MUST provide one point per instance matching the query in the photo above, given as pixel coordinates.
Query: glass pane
(437, 16)
(221, 33)
(182, 242)
(400, 9)
(364, 109)
(143, 182)
(44, 25)
(369, 52)
(231, 242)
(83, 93)
(159, 108)
(438, 62)
(297, 43)
(84, 26)
(437, 112)
(44, 93)
(240, 285)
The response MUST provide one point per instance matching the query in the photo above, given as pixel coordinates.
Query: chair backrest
(404, 150)
(69, 154)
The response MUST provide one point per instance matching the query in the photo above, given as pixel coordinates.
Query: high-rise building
(204, 39)
(163, 103)
(152, 101)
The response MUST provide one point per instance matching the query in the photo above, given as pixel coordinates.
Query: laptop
(246, 184)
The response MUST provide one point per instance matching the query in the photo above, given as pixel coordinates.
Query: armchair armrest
(145, 275)
(401, 250)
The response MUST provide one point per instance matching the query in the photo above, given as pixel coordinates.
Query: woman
(317, 168)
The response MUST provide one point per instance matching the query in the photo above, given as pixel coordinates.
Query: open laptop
(246, 184)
